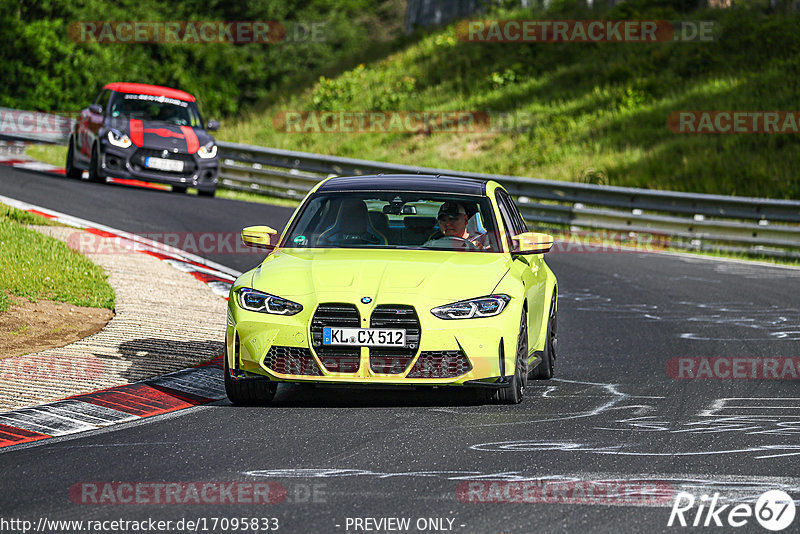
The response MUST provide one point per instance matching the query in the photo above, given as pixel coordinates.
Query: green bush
(44, 69)
(590, 112)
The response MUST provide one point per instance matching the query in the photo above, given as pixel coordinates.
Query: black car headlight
(117, 138)
(252, 300)
(473, 308)
(207, 151)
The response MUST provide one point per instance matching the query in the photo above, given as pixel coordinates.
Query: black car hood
(162, 135)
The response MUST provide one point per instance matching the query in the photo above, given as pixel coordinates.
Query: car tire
(95, 173)
(546, 368)
(179, 189)
(515, 390)
(72, 171)
(206, 192)
(248, 392)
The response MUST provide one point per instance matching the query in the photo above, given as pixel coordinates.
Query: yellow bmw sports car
(395, 281)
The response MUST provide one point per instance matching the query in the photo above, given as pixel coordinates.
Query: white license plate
(174, 165)
(365, 337)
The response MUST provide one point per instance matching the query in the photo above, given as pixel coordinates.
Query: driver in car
(453, 224)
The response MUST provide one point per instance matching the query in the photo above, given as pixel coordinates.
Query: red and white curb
(31, 165)
(119, 404)
(129, 402)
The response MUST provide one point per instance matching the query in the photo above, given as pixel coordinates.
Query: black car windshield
(155, 108)
(395, 220)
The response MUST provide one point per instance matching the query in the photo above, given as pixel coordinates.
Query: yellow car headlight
(488, 306)
(252, 300)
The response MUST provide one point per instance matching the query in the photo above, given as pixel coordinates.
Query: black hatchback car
(145, 132)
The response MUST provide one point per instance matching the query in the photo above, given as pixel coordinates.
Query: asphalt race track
(613, 416)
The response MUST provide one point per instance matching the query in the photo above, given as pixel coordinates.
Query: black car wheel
(546, 368)
(179, 188)
(206, 192)
(515, 390)
(95, 173)
(249, 391)
(71, 170)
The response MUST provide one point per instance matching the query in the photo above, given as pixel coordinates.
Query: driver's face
(453, 226)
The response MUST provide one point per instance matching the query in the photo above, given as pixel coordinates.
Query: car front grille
(291, 361)
(138, 158)
(390, 360)
(440, 364)
(336, 359)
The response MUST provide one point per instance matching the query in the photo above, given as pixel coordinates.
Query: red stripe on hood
(137, 136)
(192, 144)
(163, 132)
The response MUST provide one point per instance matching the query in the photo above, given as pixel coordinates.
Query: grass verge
(35, 266)
(52, 154)
(25, 217)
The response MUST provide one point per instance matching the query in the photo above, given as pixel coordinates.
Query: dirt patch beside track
(33, 326)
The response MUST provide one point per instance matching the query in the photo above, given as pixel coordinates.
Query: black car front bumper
(130, 163)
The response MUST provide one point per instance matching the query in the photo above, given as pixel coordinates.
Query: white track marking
(64, 417)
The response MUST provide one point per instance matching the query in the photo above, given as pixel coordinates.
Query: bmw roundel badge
(366, 300)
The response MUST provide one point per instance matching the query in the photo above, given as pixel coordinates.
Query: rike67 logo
(774, 510)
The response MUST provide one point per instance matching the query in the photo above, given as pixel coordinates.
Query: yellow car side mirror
(532, 243)
(258, 236)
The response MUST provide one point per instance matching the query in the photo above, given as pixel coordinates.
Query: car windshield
(155, 108)
(395, 220)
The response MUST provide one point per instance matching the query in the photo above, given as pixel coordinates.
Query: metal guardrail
(439, 12)
(754, 225)
(739, 224)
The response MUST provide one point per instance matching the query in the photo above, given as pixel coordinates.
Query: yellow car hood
(350, 274)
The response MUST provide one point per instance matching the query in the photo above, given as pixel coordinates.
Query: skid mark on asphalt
(750, 416)
(590, 398)
(755, 427)
(781, 407)
(756, 271)
(767, 323)
(616, 449)
(743, 268)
